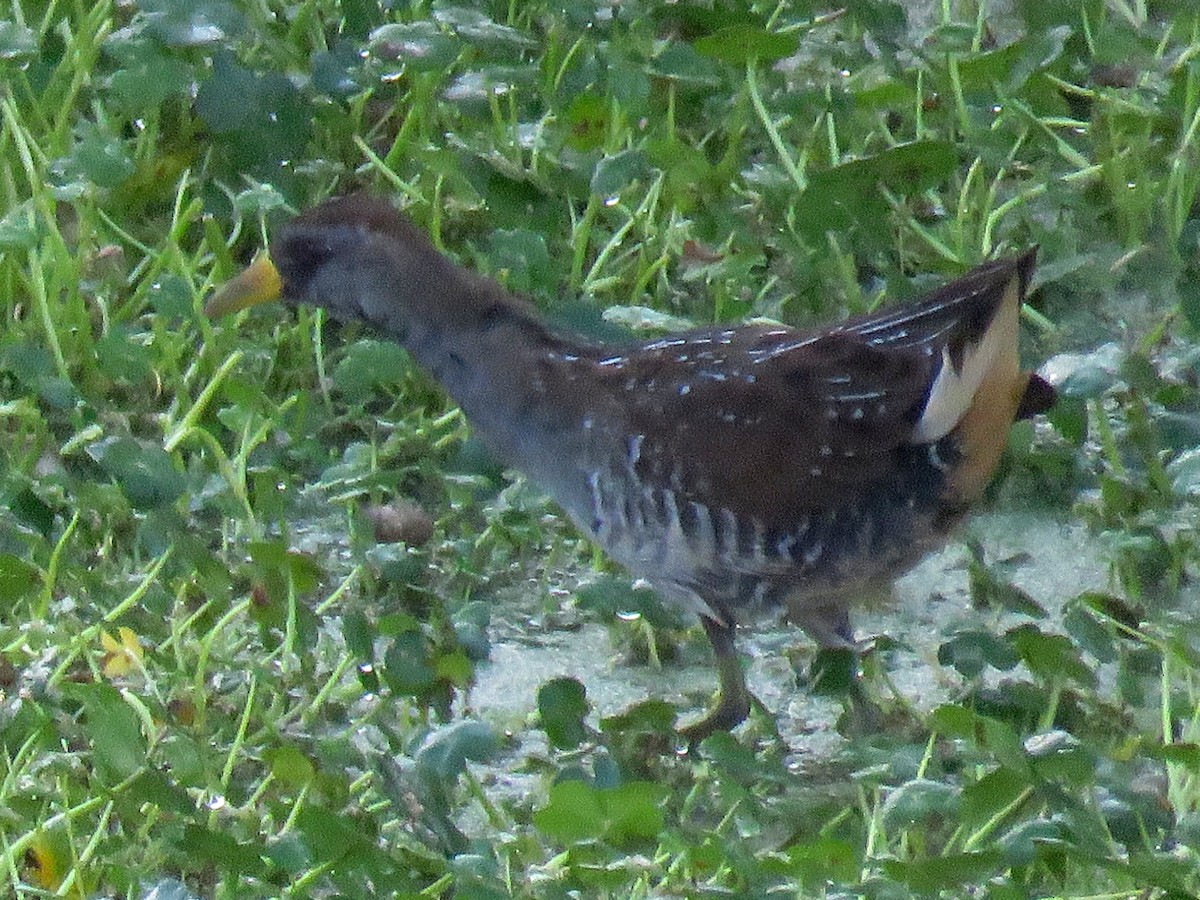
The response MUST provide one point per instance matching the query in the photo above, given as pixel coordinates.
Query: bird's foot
(730, 711)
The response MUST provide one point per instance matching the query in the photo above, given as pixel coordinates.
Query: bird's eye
(299, 256)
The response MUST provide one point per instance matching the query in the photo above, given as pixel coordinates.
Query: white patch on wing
(953, 392)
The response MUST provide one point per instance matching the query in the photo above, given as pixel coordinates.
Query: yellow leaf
(121, 658)
(46, 860)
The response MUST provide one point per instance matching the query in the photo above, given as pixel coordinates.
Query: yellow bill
(259, 283)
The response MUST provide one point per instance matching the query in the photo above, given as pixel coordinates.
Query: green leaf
(147, 76)
(681, 62)
(58, 393)
(1092, 375)
(188, 23)
(418, 46)
(573, 812)
(475, 26)
(1114, 608)
(397, 563)
(360, 641)
(919, 800)
(454, 668)
(1184, 472)
(29, 509)
(1161, 870)
(635, 812)
(587, 117)
(29, 362)
(100, 157)
(328, 836)
(470, 629)
(940, 873)
(18, 579)
(359, 635)
(991, 794)
(741, 44)
(113, 729)
(1010, 67)
(290, 766)
(359, 16)
(1051, 657)
(848, 194)
(615, 173)
(1189, 302)
(258, 120)
(1058, 755)
(970, 652)
(289, 853)
(627, 814)
(19, 227)
(648, 717)
(17, 41)
(1186, 754)
(833, 671)
(824, 859)
(444, 754)
(562, 706)
(615, 596)
(408, 666)
(732, 759)
(185, 758)
(145, 472)
(122, 356)
(1020, 844)
(1090, 633)
(885, 19)
(520, 258)
(171, 297)
(984, 732)
(34, 368)
(155, 788)
(367, 365)
(304, 570)
(338, 72)
(222, 851)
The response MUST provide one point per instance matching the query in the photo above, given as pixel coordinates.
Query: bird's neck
(487, 348)
(483, 346)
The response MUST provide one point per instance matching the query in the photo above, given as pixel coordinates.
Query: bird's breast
(746, 564)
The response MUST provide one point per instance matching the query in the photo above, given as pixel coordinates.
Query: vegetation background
(233, 664)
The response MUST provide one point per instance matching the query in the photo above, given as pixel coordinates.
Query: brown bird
(740, 470)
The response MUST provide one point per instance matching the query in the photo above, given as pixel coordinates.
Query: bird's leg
(734, 698)
(835, 671)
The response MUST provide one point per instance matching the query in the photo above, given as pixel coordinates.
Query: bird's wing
(775, 423)
(770, 436)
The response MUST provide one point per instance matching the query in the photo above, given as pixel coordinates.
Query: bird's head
(354, 256)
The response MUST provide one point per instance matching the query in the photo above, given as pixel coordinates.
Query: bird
(742, 471)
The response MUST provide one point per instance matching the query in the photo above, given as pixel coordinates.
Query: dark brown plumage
(740, 470)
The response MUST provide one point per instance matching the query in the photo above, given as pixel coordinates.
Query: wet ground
(1051, 560)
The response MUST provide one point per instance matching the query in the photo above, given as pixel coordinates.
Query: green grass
(280, 707)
